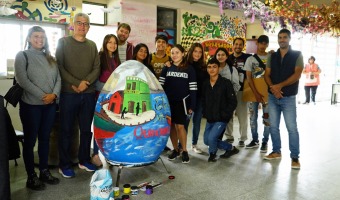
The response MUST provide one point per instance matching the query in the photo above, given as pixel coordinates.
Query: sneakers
(212, 157)
(241, 143)
(230, 141)
(89, 167)
(196, 149)
(46, 177)
(306, 103)
(252, 144)
(264, 147)
(67, 172)
(96, 160)
(34, 183)
(174, 154)
(229, 153)
(185, 157)
(295, 163)
(273, 156)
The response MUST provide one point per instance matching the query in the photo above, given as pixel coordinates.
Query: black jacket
(219, 102)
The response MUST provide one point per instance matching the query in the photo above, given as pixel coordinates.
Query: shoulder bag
(14, 94)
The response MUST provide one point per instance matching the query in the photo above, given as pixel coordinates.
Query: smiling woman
(13, 35)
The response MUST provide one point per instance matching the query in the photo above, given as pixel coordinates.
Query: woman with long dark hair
(141, 54)
(195, 58)
(109, 61)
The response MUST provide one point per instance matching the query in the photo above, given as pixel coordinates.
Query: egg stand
(107, 164)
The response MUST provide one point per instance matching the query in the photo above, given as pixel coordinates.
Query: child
(218, 102)
(179, 81)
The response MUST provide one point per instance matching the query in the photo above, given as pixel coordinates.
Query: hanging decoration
(5, 7)
(302, 16)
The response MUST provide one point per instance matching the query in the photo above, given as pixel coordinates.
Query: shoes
(174, 154)
(185, 157)
(96, 160)
(196, 149)
(264, 147)
(295, 163)
(212, 157)
(229, 153)
(273, 156)
(166, 148)
(241, 143)
(314, 103)
(34, 183)
(306, 103)
(67, 172)
(46, 177)
(230, 141)
(252, 144)
(88, 166)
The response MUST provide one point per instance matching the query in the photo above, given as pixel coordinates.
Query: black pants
(310, 90)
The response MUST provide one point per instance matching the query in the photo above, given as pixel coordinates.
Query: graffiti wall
(53, 11)
(212, 33)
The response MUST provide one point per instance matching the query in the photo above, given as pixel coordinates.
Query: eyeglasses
(79, 23)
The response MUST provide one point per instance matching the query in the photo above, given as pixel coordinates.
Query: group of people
(214, 90)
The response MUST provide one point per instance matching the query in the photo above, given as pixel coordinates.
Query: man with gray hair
(79, 66)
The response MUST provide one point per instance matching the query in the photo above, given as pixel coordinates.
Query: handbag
(14, 93)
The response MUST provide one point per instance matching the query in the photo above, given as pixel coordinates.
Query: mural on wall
(212, 34)
(132, 116)
(55, 11)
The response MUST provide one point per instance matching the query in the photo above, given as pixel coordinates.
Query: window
(95, 12)
(324, 49)
(167, 23)
(13, 36)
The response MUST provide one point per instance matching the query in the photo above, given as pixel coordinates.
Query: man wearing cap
(255, 67)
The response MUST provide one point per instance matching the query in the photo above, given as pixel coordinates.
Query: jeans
(253, 110)
(286, 106)
(211, 137)
(72, 106)
(37, 121)
(310, 90)
(196, 122)
(242, 115)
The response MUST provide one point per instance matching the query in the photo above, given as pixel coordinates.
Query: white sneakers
(196, 149)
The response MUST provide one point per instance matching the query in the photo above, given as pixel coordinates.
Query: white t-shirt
(254, 66)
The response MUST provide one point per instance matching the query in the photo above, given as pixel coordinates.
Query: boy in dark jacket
(219, 102)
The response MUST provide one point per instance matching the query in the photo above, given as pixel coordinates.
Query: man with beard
(237, 59)
(283, 71)
(125, 48)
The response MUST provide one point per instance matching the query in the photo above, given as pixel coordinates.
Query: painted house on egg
(136, 91)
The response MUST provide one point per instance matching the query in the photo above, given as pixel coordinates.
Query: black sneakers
(185, 157)
(229, 153)
(34, 183)
(174, 154)
(212, 157)
(252, 144)
(46, 177)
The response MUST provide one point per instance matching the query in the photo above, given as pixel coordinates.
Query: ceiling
(213, 2)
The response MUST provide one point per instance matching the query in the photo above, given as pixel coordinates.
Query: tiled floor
(243, 176)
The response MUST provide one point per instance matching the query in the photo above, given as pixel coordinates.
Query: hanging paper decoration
(299, 14)
(5, 8)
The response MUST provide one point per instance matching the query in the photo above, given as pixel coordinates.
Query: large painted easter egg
(132, 117)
